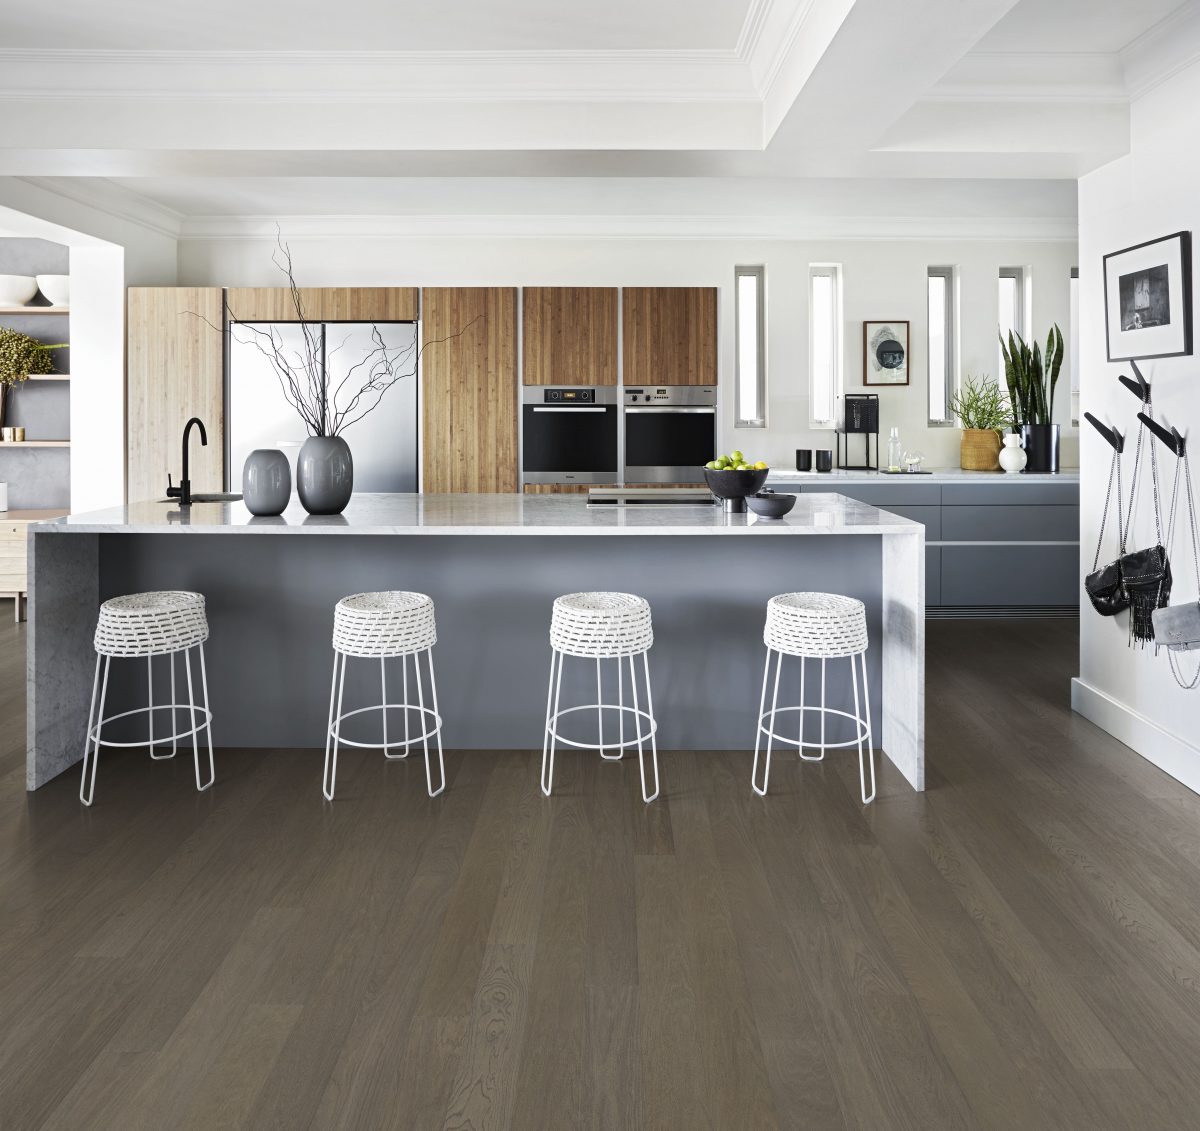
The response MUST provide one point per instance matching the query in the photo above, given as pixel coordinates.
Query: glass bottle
(894, 450)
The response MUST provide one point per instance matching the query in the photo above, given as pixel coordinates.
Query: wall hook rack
(1173, 440)
(1114, 438)
(1139, 388)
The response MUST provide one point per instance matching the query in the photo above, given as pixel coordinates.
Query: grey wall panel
(882, 494)
(37, 477)
(33, 257)
(933, 575)
(1007, 523)
(42, 408)
(1022, 492)
(1010, 575)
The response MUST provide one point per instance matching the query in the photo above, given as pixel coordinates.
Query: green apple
(713, 465)
(736, 457)
(761, 465)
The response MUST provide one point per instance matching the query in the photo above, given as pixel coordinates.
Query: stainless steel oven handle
(564, 408)
(630, 408)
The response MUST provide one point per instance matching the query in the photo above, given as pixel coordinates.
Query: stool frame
(94, 739)
(554, 712)
(861, 721)
(431, 720)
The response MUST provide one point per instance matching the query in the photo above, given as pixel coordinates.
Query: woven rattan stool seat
(391, 623)
(816, 625)
(601, 625)
(151, 624)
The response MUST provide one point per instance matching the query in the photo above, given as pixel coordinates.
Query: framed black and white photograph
(1148, 299)
(885, 353)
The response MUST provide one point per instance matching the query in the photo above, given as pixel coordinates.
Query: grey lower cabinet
(991, 547)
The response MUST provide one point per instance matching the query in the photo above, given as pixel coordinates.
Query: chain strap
(1182, 463)
(1113, 468)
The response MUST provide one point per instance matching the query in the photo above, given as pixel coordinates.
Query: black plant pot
(1040, 442)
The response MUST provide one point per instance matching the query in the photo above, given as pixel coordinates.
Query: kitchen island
(493, 565)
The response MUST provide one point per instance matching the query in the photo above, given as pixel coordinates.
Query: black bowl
(734, 484)
(770, 505)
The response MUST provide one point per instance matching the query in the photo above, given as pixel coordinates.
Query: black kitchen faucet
(184, 491)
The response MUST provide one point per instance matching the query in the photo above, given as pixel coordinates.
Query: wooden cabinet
(469, 389)
(14, 552)
(324, 304)
(569, 336)
(174, 370)
(669, 335)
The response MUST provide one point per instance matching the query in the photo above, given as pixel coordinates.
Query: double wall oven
(670, 432)
(569, 434)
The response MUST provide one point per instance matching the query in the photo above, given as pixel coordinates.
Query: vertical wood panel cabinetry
(325, 304)
(569, 336)
(174, 370)
(669, 335)
(469, 389)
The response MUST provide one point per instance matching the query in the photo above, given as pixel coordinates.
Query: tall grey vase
(266, 481)
(324, 474)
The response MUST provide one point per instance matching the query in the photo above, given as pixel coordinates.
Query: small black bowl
(732, 487)
(770, 505)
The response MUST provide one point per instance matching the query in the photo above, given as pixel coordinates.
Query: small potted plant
(1032, 377)
(980, 408)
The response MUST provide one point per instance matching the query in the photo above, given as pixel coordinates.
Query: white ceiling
(376, 25)
(245, 107)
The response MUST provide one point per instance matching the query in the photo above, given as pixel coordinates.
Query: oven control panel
(570, 396)
(703, 396)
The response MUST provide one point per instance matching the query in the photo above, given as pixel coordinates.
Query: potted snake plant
(980, 408)
(1032, 377)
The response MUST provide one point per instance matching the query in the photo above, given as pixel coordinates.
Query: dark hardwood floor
(1019, 947)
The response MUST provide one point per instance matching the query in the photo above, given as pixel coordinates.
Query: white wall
(108, 253)
(882, 279)
(1153, 192)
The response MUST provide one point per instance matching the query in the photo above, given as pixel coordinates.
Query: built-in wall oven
(568, 434)
(670, 433)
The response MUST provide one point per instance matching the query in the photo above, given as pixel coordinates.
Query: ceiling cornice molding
(1162, 51)
(1011, 76)
(113, 200)
(633, 227)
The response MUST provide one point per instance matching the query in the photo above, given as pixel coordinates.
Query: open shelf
(35, 310)
(48, 377)
(34, 444)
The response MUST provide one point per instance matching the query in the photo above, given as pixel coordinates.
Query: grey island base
(493, 565)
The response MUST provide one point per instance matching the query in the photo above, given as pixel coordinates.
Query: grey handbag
(1177, 627)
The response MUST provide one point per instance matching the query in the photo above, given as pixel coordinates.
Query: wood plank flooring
(1017, 948)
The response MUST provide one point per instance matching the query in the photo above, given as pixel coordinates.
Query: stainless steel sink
(202, 497)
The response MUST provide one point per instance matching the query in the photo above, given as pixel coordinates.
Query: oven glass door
(561, 439)
(683, 438)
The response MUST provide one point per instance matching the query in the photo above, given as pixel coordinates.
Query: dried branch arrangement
(303, 374)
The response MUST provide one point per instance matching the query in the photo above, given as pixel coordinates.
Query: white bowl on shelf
(57, 288)
(17, 290)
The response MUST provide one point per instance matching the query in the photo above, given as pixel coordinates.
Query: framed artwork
(885, 353)
(1148, 299)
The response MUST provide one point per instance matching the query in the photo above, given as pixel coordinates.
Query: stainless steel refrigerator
(383, 443)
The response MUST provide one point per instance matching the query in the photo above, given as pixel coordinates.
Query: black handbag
(1103, 586)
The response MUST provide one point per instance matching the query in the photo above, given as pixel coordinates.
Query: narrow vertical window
(750, 315)
(824, 343)
(1010, 315)
(1073, 348)
(942, 351)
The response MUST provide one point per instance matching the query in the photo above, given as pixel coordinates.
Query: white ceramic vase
(1012, 455)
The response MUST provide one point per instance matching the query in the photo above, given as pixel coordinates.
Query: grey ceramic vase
(266, 481)
(324, 474)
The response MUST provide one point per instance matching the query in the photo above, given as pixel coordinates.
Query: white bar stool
(145, 625)
(816, 626)
(385, 626)
(602, 626)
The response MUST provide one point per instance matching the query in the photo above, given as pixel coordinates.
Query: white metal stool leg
(758, 730)
(620, 751)
(87, 789)
(653, 740)
(862, 780)
(331, 745)
(812, 757)
(437, 724)
(404, 703)
(552, 697)
(212, 770)
(150, 713)
(383, 699)
(187, 667)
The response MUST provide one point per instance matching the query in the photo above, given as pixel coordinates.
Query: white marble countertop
(937, 475)
(487, 515)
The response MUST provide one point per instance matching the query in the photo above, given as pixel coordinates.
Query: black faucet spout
(185, 484)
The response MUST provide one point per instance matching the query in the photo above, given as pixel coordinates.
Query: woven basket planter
(980, 450)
